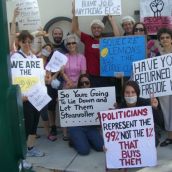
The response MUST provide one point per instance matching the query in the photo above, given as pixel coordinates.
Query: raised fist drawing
(157, 6)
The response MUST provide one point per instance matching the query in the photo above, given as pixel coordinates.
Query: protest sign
(118, 53)
(29, 17)
(154, 76)
(156, 14)
(129, 137)
(56, 62)
(27, 72)
(38, 97)
(79, 107)
(97, 7)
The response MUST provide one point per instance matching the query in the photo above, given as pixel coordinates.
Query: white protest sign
(56, 62)
(79, 107)
(129, 137)
(97, 7)
(154, 76)
(29, 17)
(156, 14)
(27, 72)
(38, 97)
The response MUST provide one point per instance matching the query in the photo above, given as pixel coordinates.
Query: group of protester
(83, 71)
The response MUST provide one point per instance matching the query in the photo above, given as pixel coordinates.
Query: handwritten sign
(27, 72)
(56, 62)
(25, 82)
(97, 7)
(79, 107)
(154, 76)
(156, 14)
(117, 54)
(29, 17)
(129, 137)
(38, 97)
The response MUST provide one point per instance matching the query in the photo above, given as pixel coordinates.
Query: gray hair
(71, 36)
(127, 19)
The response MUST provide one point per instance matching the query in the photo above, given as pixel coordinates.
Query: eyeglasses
(84, 83)
(71, 43)
(139, 30)
(27, 42)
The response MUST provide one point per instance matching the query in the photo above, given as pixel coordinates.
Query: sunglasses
(139, 30)
(84, 83)
(71, 43)
(27, 42)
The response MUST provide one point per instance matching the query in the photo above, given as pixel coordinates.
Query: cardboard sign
(27, 72)
(154, 76)
(56, 62)
(97, 7)
(29, 17)
(79, 107)
(38, 97)
(156, 14)
(118, 53)
(129, 137)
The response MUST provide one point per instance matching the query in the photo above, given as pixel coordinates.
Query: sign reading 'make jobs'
(97, 7)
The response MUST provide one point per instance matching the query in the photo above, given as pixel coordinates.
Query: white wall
(55, 8)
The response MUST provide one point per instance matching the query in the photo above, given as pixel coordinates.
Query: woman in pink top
(76, 64)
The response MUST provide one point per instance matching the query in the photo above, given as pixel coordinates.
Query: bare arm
(13, 29)
(69, 83)
(115, 28)
(75, 25)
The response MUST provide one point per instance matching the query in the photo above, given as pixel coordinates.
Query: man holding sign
(92, 47)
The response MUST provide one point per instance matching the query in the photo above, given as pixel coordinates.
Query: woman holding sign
(165, 38)
(84, 137)
(152, 49)
(31, 114)
(75, 66)
(131, 98)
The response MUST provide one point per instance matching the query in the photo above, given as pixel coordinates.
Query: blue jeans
(85, 137)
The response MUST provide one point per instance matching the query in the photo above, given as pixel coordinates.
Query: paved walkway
(62, 158)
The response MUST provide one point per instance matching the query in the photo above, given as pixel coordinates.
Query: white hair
(71, 36)
(98, 22)
(127, 19)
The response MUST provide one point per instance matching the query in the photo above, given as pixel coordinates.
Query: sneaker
(26, 165)
(52, 138)
(34, 152)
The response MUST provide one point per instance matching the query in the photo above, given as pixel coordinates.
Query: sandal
(52, 138)
(166, 142)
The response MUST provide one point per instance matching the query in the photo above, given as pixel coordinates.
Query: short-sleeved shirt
(92, 54)
(21, 54)
(76, 63)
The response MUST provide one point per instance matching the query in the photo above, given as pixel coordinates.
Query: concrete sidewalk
(62, 158)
